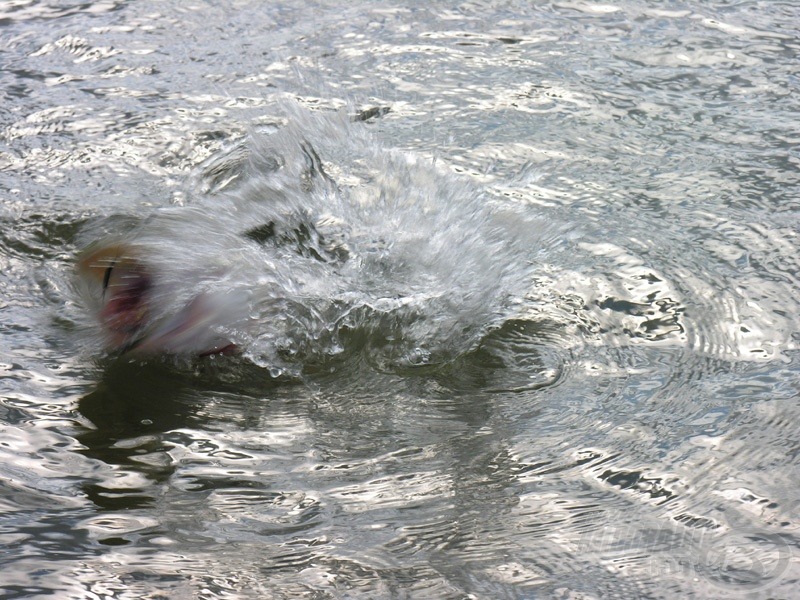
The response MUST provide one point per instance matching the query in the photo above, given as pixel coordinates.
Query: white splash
(302, 244)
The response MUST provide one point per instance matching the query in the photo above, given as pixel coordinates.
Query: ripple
(520, 356)
(30, 11)
(627, 429)
(113, 530)
(78, 47)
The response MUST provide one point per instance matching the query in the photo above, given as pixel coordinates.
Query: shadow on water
(291, 474)
(520, 356)
(138, 409)
(133, 405)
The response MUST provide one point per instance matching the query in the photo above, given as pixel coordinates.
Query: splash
(310, 243)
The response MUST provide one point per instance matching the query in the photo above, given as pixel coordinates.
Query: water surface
(626, 428)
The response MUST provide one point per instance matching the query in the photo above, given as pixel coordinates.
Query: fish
(307, 244)
(123, 292)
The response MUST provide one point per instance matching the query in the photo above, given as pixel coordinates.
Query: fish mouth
(126, 308)
(125, 287)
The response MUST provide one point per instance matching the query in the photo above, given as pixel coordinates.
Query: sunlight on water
(496, 300)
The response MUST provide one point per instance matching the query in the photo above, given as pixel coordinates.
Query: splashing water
(309, 243)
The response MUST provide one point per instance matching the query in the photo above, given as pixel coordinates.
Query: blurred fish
(296, 243)
(125, 308)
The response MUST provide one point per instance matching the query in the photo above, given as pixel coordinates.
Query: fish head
(122, 286)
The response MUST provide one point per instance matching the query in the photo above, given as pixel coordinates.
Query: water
(617, 417)
(272, 256)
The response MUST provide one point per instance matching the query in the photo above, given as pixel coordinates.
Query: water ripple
(629, 432)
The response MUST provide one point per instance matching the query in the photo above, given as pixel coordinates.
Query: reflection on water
(129, 410)
(628, 430)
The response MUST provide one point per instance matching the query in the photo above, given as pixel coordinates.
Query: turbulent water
(513, 286)
(271, 255)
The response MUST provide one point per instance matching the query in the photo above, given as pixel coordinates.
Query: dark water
(631, 431)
